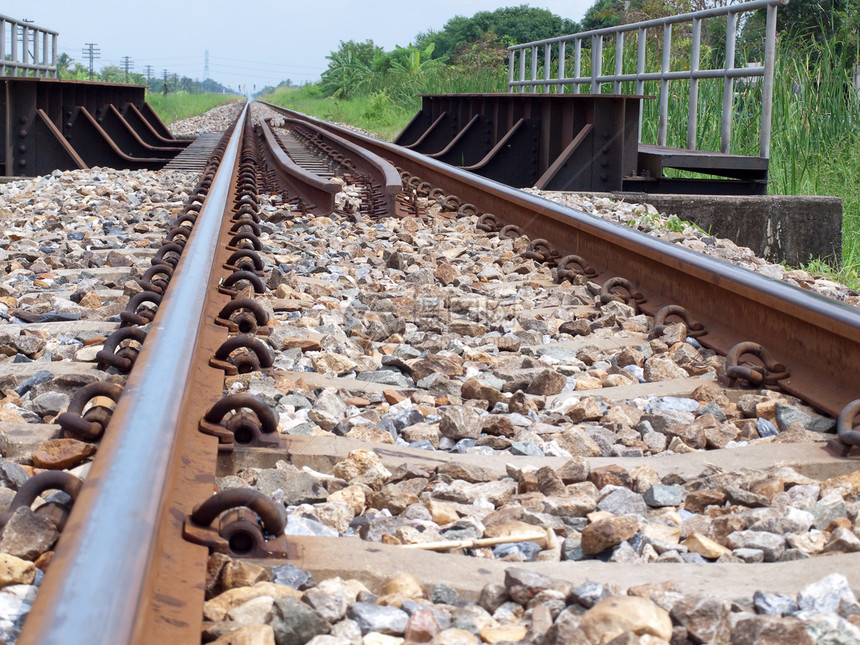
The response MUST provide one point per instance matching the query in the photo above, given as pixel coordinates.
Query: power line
(127, 65)
(264, 64)
(92, 52)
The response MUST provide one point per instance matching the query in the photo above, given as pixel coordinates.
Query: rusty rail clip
(253, 424)
(89, 425)
(122, 359)
(694, 328)
(244, 316)
(486, 222)
(245, 260)
(511, 231)
(131, 316)
(845, 424)
(257, 355)
(541, 251)
(244, 236)
(245, 514)
(56, 512)
(150, 280)
(622, 290)
(230, 285)
(768, 374)
(571, 266)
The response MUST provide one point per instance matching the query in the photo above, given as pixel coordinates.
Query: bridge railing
(542, 54)
(27, 49)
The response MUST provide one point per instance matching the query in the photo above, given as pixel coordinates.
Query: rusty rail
(818, 340)
(126, 517)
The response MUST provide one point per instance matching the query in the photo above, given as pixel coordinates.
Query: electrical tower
(206, 66)
(92, 52)
(127, 65)
(148, 69)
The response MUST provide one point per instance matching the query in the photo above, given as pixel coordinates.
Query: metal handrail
(21, 61)
(597, 78)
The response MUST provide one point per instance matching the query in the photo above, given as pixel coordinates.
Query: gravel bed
(575, 512)
(431, 335)
(215, 120)
(447, 339)
(248, 604)
(73, 245)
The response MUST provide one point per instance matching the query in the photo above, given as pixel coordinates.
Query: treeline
(470, 54)
(69, 68)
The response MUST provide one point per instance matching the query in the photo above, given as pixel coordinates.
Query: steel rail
(816, 338)
(312, 188)
(368, 162)
(99, 586)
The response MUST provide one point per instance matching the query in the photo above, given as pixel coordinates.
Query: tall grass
(176, 106)
(376, 112)
(387, 101)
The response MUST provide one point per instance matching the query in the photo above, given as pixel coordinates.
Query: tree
(349, 68)
(602, 14)
(518, 24)
(64, 61)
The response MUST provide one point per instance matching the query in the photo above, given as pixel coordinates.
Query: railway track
(376, 387)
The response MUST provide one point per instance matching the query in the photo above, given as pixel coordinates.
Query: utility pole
(164, 84)
(92, 52)
(206, 66)
(127, 65)
(148, 69)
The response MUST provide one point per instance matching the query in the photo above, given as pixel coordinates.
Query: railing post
(619, 60)
(533, 77)
(559, 89)
(36, 55)
(511, 56)
(640, 69)
(54, 56)
(45, 53)
(25, 41)
(767, 84)
(693, 107)
(13, 46)
(665, 66)
(3, 46)
(547, 59)
(522, 70)
(728, 83)
(577, 64)
(596, 62)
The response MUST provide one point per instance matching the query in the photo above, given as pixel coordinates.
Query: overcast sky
(269, 42)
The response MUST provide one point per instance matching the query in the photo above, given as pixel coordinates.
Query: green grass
(176, 106)
(386, 102)
(375, 113)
